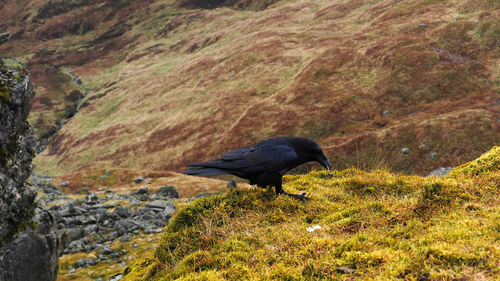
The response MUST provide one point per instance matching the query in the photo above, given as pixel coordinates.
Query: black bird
(265, 163)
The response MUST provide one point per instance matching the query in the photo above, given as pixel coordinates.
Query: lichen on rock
(28, 239)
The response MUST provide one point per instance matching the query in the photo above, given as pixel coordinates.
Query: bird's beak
(324, 162)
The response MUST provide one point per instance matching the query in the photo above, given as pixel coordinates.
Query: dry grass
(186, 85)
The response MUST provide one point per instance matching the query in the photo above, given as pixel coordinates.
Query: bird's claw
(301, 196)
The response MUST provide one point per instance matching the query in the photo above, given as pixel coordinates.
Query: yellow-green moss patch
(374, 225)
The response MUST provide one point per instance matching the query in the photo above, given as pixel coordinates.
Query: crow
(265, 163)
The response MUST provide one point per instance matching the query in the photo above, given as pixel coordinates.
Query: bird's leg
(279, 190)
(268, 180)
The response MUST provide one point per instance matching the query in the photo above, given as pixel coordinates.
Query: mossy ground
(374, 225)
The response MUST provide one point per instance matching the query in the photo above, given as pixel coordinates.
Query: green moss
(486, 164)
(4, 95)
(374, 225)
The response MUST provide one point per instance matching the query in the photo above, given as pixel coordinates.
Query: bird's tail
(204, 171)
(211, 168)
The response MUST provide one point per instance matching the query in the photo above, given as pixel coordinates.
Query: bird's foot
(301, 196)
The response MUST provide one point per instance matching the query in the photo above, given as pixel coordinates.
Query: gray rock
(113, 236)
(141, 194)
(71, 270)
(168, 212)
(74, 221)
(64, 184)
(386, 112)
(70, 211)
(102, 217)
(90, 220)
(139, 179)
(84, 262)
(50, 189)
(123, 212)
(91, 198)
(166, 192)
(125, 238)
(405, 150)
(159, 204)
(34, 253)
(91, 229)
(127, 224)
(29, 243)
(151, 230)
(106, 250)
(134, 202)
(75, 234)
(440, 172)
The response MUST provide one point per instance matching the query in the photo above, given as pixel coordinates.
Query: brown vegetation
(363, 79)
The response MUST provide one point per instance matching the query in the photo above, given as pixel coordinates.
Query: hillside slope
(357, 226)
(364, 78)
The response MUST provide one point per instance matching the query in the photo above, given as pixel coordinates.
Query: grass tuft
(374, 225)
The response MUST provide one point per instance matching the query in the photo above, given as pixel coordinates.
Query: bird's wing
(261, 158)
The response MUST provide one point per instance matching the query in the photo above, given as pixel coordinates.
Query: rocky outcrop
(28, 237)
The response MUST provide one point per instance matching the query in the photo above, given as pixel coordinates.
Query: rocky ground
(103, 227)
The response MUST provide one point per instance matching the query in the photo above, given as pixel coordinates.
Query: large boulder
(28, 239)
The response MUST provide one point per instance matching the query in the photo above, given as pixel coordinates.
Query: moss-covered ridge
(373, 225)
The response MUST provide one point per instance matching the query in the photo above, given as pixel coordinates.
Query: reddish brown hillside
(172, 85)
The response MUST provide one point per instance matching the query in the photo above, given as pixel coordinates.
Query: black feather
(265, 163)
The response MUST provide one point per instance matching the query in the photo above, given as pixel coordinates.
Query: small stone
(123, 212)
(386, 112)
(232, 183)
(313, 228)
(345, 270)
(202, 195)
(64, 183)
(159, 204)
(84, 190)
(141, 194)
(91, 198)
(135, 246)
(165, 192)
(440, 172)
(138, 179)
(106, 250)
(71, 270)
(405, 150)
(116, 277)
(422, 25)
(150, 240)
(433, 155)
(125, 238)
